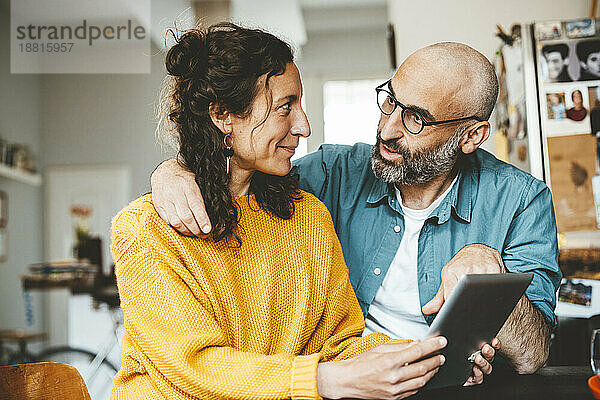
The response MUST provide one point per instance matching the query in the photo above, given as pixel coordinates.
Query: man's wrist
(330, 379)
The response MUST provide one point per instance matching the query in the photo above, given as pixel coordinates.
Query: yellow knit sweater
(206, 321)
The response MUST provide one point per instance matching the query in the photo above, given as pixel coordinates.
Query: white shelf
(20, 175)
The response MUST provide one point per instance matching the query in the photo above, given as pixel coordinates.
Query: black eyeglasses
(412, 119)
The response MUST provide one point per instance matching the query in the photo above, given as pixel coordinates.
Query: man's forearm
(525, 338)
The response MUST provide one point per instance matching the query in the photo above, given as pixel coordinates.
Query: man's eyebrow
(423, 111)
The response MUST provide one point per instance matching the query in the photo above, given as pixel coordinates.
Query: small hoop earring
(228, 150)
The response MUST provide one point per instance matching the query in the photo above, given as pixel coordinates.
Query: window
(350, 111)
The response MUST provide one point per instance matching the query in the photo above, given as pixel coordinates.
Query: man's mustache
(393, 144)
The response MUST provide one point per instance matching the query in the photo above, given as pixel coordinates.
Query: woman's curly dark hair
(221, 65)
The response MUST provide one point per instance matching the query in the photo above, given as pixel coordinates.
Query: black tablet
(471, 317)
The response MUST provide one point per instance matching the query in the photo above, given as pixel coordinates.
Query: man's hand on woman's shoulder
(177, 199)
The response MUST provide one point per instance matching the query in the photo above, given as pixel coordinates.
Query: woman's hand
(177, 199)
(388, 371)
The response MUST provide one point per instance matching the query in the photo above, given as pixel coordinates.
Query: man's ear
(221, 119)
(474, 137)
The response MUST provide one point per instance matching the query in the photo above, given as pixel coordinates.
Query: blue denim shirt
(493, 203)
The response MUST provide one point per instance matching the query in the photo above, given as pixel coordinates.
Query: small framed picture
(548, 30)
(3, 209)
(3, 244)
(581, 28)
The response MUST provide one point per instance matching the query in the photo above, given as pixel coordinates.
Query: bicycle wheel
(98, 381)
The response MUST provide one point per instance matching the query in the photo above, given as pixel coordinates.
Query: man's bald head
(462, 78)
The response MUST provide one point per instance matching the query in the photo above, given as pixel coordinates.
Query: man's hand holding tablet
(472, 259)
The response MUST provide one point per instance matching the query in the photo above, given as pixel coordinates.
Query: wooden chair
(41, 381)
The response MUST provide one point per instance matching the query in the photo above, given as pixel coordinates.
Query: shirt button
(397, 229)
(377, 271)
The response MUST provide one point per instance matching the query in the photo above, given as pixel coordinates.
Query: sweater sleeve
(179, 342)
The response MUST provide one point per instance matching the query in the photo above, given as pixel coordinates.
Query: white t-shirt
(396, 308)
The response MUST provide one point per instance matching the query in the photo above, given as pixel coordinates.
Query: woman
(259, 308)
(578, 112)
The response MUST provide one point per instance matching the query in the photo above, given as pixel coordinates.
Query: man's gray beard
(418, 167)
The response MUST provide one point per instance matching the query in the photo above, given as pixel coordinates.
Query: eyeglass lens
(411, 119)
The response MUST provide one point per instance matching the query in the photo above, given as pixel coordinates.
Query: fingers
(414, 384)
(488, 352)
(436, 303)
(196, 205)
(476, 378)
(496, 344)
(168, 213)
(418, 350)
(420, 368)
(186, 217)
(483, 365)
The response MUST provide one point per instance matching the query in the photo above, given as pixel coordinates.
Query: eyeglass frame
(388, 91)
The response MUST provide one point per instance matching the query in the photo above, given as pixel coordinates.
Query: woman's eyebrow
(291, 98)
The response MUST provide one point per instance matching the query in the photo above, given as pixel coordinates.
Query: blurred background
(76, 145)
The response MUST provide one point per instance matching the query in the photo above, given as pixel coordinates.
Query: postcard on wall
(572, 166)
(548, 30)
(567, 110)
(581, 28)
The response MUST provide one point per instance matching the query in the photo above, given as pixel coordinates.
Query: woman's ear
(474, 137)
(221, 119)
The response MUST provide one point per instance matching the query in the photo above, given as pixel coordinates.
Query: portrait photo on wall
(588, 54)
(581, 28)
(577, 110)
(555, 62)
(557, 108)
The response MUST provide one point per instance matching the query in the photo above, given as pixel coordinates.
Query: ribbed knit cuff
(304, 377)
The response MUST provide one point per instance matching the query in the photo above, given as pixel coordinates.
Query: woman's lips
(388, 153)
(291, 150)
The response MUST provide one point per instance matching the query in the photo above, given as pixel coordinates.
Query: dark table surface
(548, 383)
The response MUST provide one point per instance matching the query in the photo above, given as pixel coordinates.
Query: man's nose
(392, 126)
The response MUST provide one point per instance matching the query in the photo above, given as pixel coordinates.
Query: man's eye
(390, 101)
(286, 107)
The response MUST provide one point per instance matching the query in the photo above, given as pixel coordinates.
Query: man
(556, 61)
(424, 206)
(588, 53)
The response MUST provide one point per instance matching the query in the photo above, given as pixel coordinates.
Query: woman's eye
(286, 108)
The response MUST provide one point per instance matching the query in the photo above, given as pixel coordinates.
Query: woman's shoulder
(137, 218)
(310, 204)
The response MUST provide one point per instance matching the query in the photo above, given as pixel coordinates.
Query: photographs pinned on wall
(555, 62)
(581, 28)
(573, 61)
(568, 111)
(577, 107)
(588, 56)
(572, 166)
(556, 106)
(548, 30)
(575, 293)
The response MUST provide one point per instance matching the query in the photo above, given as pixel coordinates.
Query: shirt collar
(459, 199)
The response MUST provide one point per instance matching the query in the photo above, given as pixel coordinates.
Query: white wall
(419, 23)
(348, 48)
(19, 123)
(103, 119)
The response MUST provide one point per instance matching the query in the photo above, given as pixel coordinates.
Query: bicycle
(96, 370)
